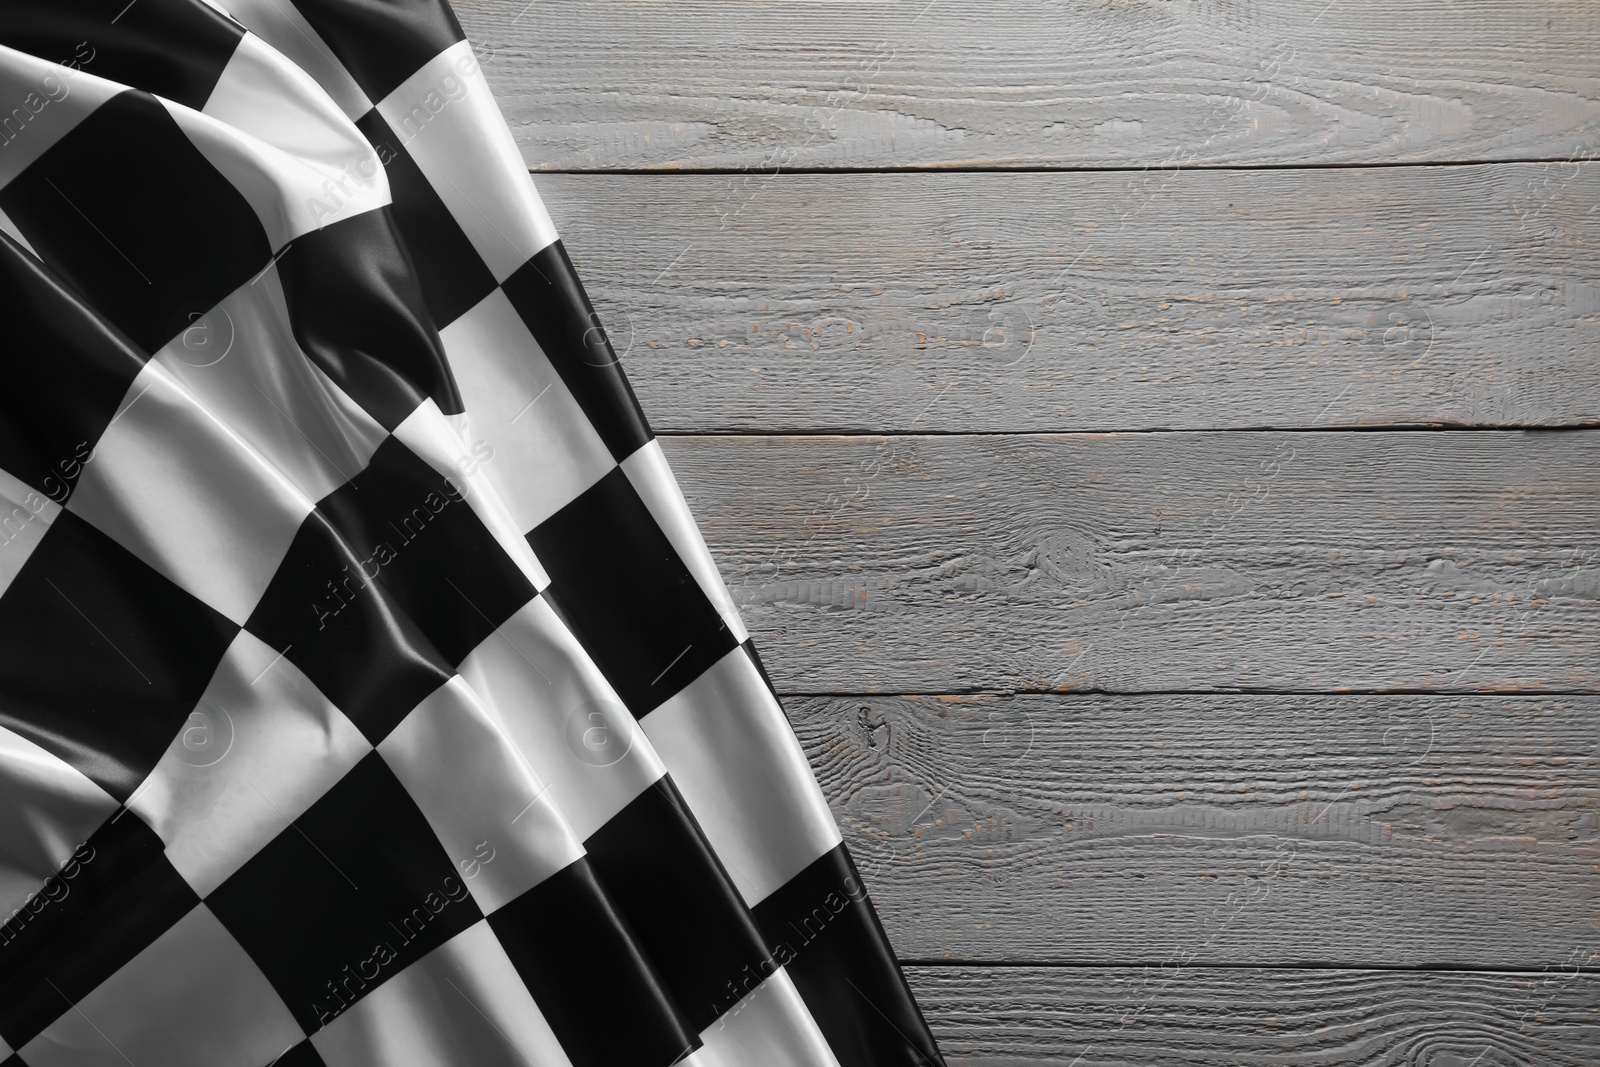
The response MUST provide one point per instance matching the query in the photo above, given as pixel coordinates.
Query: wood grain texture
(1158, 838)
(1056, 1017)
(591, 84)
(1382, 831)
(1072, 301)
(1138, 562)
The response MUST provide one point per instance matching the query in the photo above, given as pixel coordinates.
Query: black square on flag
(626, 593)
(101, 657)
(175, 236)
(346, 897)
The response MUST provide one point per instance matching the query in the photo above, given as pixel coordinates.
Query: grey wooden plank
(1053, 1017)
(1074, 301)
(707, 83)
(1137, 562)
(1349, 830)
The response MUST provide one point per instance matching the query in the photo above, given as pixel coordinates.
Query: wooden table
(1154, 446)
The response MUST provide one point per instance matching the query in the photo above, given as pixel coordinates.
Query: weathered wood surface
(1137, 562)
(1102, 1017)
(591, 84)
(1160, 840)
(1097, 301)
(1380, 831)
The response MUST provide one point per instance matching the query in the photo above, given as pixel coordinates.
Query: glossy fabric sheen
(367, 693)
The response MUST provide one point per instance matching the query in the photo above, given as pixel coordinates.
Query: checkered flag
(367, 694)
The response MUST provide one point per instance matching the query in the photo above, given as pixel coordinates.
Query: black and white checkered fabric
(367, 693)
